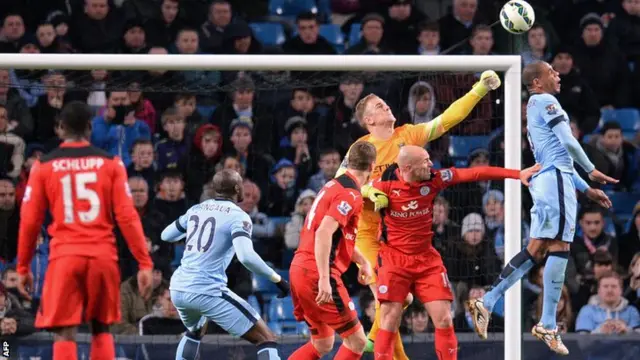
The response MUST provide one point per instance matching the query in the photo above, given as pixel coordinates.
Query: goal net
(181, 118)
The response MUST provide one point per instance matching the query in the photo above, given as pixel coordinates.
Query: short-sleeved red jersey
(84, 188)
(340, 198)
(407, 221)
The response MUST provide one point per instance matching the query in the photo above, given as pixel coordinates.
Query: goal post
(509, 65)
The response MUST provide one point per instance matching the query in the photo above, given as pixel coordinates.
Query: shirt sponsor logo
(410, 206)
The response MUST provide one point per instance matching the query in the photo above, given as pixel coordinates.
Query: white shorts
(228, 310)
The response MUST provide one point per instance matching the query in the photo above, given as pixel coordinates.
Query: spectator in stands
(463, 323)
(170, 198)
(597, 157)
(238, 40)
(143, 108)
(205, 153)
(622, 156)
(295, 148)
(10, 283)
(187, 105)
(601, 64)
(493, 209)
(20, 121)
(630, 241)
(421, 105)
(472, 258)
(592, 238)
(263, 227)
(537, 46)
(60, 22)
(342, 128)
(99, 29)
(471, 201)
(162, 30)
(230, 162)
(281, 191)
(212, 31)
(11, 148)
(456, 26)
(303, 104)
(133, 306)
(49, 106)
(328, 163)
(142, 164)
(623, 30)
(97, 97)
(134, 38)
(9, 220)
(371, 40)
(443, 228)
(245, 109)
(14, 321)
(417, 319)
(172, 151)
(160, 79)
(367, 309)
(429, 39)
(117, 128)
(163, 319)
(12, 31)
(294, 226)
(576, 96)
(188, 43)
(481, 41)
(400, 26)
(633, 291)
(258, 165)
(32, 153)
(564, 312)
(47, 42)
(308, 41)
(601, 264)
(608, 312)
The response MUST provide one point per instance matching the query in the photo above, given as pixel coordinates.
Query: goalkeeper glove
(377, 197)
(489, 80)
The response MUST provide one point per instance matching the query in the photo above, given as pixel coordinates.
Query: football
(517, 16)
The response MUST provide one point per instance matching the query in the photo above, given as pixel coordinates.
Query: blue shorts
(228, 310)
(553, 215)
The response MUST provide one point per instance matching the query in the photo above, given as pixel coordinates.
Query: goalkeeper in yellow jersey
(376, 116)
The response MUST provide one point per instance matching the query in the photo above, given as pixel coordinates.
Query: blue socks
(268, 351)
(553, 280)
(517, 268)
(188, 346)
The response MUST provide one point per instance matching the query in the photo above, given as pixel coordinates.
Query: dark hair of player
(75, 119)
(531, 72)
(361, 155)
(227, 183)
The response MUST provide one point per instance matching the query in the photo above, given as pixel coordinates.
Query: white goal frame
(511, 65)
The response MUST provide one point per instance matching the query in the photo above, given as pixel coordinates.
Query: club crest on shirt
(246, 226)
(551, 109)
(344, 208)
(424, 191)
(446, 175)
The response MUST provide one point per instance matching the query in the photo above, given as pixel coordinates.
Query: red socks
(305, 352)
(65, 350)
(446, 344)
(383, 347)
(344, 353)
(102, 347)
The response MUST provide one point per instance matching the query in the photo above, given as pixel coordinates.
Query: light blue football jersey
(543, 113)
(210, 227)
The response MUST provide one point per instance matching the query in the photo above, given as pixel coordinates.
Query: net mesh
(476, 141)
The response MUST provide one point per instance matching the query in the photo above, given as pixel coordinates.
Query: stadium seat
(291, 8)
(334, 35)
(206, 111)
(253, 301)
(629, 119)
(269, 34)
(354, 34)
(289, 328)
(623, 202)
(281, 310)
(461, 146)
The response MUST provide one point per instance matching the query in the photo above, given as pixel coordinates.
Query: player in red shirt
(327, 248)
(408, 261)
(83, 188)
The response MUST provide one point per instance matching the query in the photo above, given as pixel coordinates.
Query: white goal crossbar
(510, 65)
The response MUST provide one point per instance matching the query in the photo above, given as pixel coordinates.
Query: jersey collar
(74, 144)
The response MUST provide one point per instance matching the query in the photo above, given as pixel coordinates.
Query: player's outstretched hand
(25, 285)
(599, 197)
(324, 291)
(601, 178)
(145, 279)
(377, 197)
(284, 287)
(365, 274)
(489, 80)
(526, 174)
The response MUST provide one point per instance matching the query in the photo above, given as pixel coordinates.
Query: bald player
(376, 116)
(408, 260)
(216, 230)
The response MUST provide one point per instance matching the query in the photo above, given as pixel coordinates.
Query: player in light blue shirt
(215, 231)
(553, 215)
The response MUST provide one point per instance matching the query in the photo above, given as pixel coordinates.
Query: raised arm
(562, 130)
(479, 173)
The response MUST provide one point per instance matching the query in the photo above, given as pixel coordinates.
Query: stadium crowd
(287, 132)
